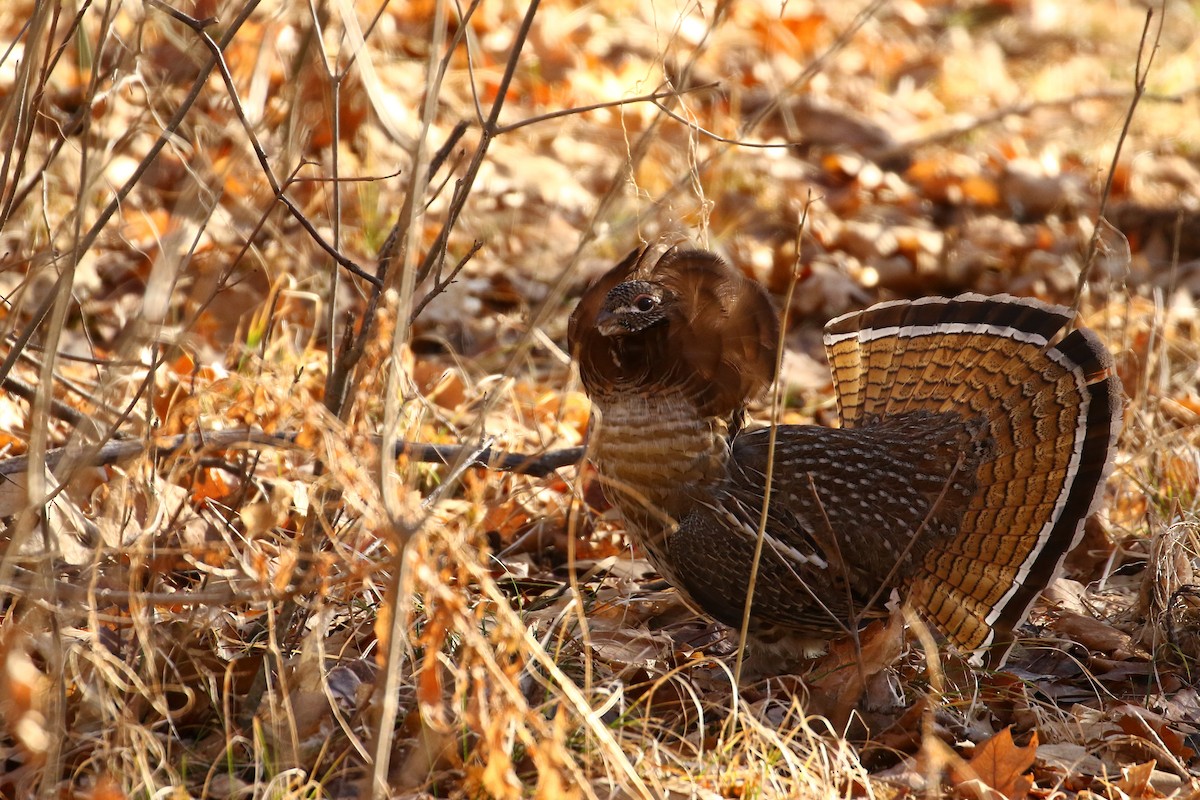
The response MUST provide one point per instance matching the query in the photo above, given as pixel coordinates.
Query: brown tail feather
(1053, 415)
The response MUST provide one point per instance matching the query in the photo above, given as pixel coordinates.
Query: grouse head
(687, 324)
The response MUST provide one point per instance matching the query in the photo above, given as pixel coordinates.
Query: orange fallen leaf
(839, 679)
(1145, 724)
(1135, 780)
(1000, 765)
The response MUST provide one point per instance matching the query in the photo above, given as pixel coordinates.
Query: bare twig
(813, 68)
(1140, 72)
(442, 283)
(407, 278)
(716, 137)
(653, 97)
(58, 408)
(1025, 110)
(537, 465)
(32, 74)
(85, 242)
(353, 346)
(437, 251)
(772, 436)
(73, 124)
(217, 59)
(20, 586)
(435, 163)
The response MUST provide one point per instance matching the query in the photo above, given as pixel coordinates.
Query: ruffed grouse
(972, 446)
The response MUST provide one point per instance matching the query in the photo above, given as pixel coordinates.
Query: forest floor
(232, 285)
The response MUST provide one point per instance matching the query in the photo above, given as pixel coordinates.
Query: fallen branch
(537, 465)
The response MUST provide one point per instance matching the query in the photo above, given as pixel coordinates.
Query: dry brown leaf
(803, 33)
(1135, 780)
(1000, 765)
(1098, 636)
(107, 788)
(257, 518)
(210, 484)
(552, 765)
(629, 647)
(498, 776)
(1144, 723)
(567, 413)
(1069, 759)
(444, 386)
(840, 678)
(507, 518)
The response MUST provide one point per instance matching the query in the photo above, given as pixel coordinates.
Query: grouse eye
(644, 302)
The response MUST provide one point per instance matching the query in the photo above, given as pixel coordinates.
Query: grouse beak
(608, 323)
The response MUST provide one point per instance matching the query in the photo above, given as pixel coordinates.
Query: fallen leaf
(1000, 765)
(839, 679)
(1135, 780)
(1098, 636)
(1146, 724)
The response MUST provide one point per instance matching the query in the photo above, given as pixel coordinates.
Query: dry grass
(298, 614)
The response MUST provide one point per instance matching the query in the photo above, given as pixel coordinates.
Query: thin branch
(66, 590)
(168, 133)
(1140, 72)
(58, 408)
(26, 110)
(353, 346)
(1026, 109)
(653, 97)
(716, 137)
(72, 125)
(218, 61)
(437, 251)
(814, 67)
(537, 465)
(445, 282)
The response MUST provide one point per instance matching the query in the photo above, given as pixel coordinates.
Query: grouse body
(974, 442)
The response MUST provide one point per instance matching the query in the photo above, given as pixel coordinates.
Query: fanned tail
(1052, 411)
